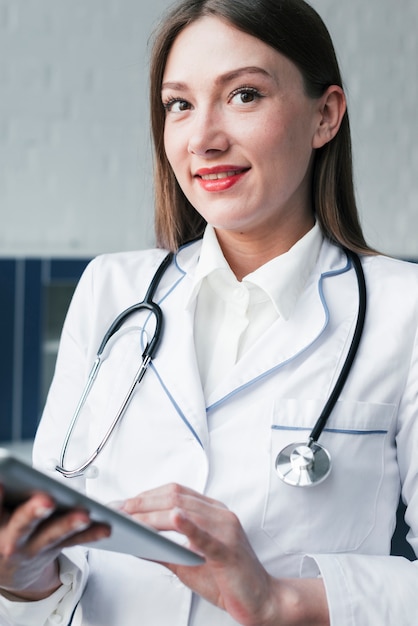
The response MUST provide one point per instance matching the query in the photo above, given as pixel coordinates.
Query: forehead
(211, 46)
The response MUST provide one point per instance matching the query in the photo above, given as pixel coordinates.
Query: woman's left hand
(232, 577)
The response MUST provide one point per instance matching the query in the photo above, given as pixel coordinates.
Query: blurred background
(75, 159)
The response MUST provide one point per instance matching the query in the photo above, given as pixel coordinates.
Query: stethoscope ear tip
(303, 465)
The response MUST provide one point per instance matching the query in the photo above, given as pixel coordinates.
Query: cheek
(292, 149)
(172, 143)
(176, 153)
(168, 147)
(273, 151)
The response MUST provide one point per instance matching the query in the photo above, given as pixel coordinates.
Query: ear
(332, 106)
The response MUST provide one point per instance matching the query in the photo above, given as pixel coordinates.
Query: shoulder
(392, 289)
(384, 270)
(143, 263)
(391, 285)
(122, 278)
(123, 270)
(114, 281)
(130, 261)
(110, 284)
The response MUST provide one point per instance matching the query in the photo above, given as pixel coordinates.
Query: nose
(208, 135)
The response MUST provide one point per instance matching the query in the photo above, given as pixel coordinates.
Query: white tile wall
(75, 171)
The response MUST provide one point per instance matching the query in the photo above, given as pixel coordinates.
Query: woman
(252, 153)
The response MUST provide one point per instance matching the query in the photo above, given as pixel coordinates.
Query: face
(239, 132)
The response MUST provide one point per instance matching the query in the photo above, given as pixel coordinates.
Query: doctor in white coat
(252, 153)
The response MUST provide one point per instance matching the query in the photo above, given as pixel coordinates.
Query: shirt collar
(282, 279)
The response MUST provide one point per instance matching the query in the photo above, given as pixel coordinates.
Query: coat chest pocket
(338, 514)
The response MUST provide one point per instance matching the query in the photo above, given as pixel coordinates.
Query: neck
(246, 253)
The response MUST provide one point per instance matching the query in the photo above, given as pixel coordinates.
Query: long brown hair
(295, 30)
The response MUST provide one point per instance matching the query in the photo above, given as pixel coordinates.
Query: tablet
(21, 480)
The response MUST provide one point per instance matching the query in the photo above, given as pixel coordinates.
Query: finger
(24, 520)
(218, 538)
(159, 520)
(168, 497)
(155, 508)
(94, 532)
(200, 540)
(159, 514)
(66, 530)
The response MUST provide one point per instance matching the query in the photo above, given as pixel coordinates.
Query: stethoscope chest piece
(303, 465)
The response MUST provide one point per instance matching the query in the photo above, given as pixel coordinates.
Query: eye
(245, 95)
(176, 105)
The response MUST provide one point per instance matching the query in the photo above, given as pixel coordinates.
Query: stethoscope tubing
(146, 303)
(345, 370)
(148, 354)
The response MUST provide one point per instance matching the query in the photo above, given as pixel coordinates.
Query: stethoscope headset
(299, 464)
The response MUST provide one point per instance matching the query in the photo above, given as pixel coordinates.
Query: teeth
(219, 175)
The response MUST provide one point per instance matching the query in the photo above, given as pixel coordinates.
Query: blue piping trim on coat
(152, 367)
(277, 367)
(176, 406)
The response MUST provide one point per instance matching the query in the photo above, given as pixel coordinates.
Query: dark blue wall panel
(64, 269)
(22, 289)
(32, 348)
(7, 316)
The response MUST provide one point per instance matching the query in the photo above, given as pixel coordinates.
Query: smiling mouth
(220, 175)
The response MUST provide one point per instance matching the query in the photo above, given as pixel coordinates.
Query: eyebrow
(223, 79)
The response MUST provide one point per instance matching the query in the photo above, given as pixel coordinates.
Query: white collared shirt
(231, 315)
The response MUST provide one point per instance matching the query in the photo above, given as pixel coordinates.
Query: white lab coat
(227, 447)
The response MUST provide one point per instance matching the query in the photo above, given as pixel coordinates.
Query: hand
(232, 577)
(31, 539)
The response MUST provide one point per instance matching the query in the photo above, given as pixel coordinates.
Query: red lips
(219, 178)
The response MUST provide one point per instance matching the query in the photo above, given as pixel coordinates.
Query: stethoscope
(298, 464)
(147, 304)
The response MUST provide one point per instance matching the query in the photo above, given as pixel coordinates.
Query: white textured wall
(75, 175)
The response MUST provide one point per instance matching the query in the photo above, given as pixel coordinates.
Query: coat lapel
(286, 340)
(176, 364)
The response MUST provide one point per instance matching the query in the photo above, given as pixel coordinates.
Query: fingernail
(179, 513)
(43, 511)
(79, 525)
(118, 505)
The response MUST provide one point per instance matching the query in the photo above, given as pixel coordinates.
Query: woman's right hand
(31, 538)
